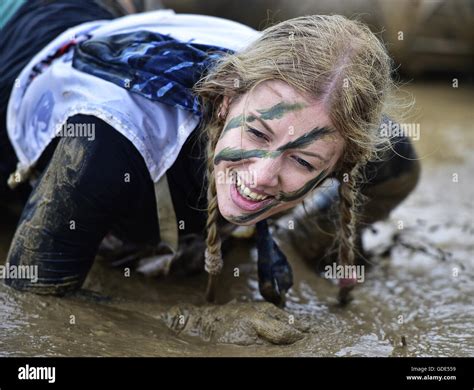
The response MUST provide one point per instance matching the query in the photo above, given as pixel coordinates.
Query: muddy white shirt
(37, 110)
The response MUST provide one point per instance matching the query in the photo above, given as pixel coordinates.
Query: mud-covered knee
(41, 288)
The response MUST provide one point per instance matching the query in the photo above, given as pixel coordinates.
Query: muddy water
(417, 300)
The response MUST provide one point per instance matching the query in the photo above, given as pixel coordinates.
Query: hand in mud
(236, 323)
(275, 276)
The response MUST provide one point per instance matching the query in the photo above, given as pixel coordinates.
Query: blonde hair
(337, 61)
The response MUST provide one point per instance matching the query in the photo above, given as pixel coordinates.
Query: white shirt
(158, 131)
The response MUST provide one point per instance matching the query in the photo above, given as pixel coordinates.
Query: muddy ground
(417, 300)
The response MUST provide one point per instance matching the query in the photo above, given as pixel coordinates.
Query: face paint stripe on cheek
(311, 184)
(282, 197)
(233, 154)
(248, 217)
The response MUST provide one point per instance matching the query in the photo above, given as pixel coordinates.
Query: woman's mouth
(245, 198)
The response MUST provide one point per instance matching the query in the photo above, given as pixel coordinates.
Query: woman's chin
(232, 215)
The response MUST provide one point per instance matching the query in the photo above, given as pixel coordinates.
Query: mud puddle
(415, 301)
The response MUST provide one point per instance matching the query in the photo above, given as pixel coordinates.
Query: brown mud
(416, 300)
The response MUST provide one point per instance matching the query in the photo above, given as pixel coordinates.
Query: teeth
(247, 192)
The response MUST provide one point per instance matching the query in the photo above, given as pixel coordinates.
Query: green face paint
(310, 185)
(282, 197)
(306, 139)
(275, 112)
(279, 110)
(234, 154)
(248, 217)
(237, 121)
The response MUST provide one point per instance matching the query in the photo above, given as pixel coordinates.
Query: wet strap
(166, 216)
(275, 276)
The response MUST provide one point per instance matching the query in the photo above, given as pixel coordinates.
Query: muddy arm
(79, 198)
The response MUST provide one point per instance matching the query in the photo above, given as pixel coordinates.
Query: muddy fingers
(235, 323)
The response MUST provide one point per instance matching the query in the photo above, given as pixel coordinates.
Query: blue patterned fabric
(156, 66)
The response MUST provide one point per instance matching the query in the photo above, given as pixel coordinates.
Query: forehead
(305, 115)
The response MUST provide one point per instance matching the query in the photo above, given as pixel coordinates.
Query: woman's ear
(224, 107)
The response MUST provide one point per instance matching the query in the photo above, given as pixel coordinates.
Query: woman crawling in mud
(157, 127)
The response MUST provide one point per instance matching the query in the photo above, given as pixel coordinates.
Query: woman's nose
(266, 172)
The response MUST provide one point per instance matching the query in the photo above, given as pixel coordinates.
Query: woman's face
(271, 161)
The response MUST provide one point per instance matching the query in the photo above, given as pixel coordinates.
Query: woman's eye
(257, 133)
(304, 163)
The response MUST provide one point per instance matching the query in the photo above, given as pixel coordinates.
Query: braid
(347, 201)
(213, 256)
(348, 196)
